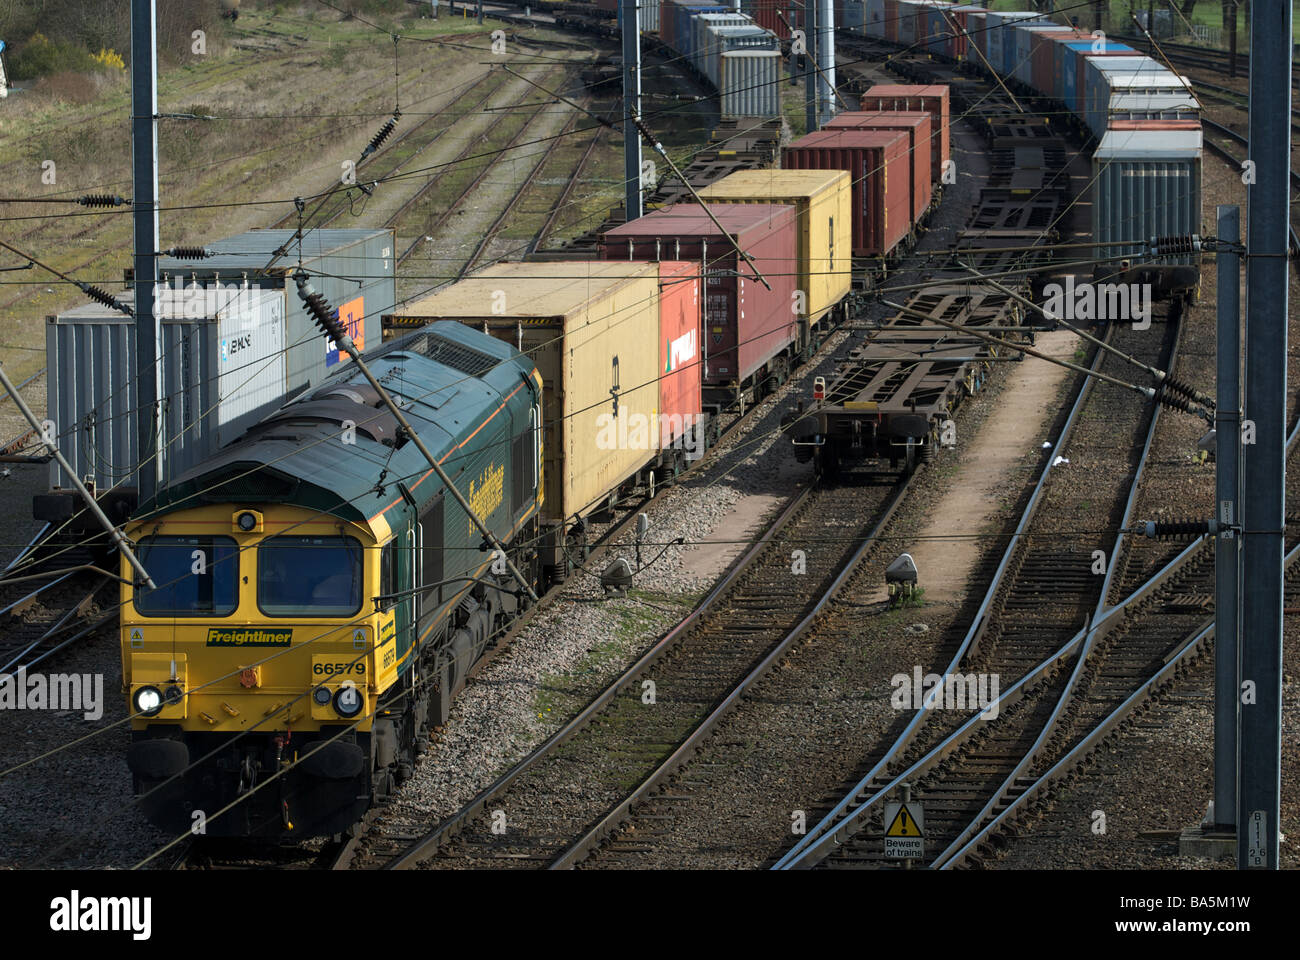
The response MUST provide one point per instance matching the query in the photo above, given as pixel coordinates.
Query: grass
(556, 693)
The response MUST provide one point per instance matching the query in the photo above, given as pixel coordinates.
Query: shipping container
(823, 202)
(647, 13)
(1044, 75)
(592, 328)
(1026, 35)
(683, 12)
(1001, 40)
(1146, 183)
(1070, 65)
(750, 84)
(721, 39)
(916, 124)
(698, 50)
(778, 16)
(680, 339)
(746, 324)
(935, 28)
(1106, 77)
(873, 19)
(1148, 106)
(855, 16)
(969, 20)
(879, 163)
(905, 26)
(222, 368)
(933, 99)
(354, 270)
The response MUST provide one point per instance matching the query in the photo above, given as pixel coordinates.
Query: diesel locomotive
(319, 599)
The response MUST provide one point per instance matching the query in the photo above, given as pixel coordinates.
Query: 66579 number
(334, 669)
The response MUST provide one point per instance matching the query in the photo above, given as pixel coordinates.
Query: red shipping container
(933, 99)
(745, 323)
(878, 162)
(968, 28)
(610, 6)
(776, 15)
(916, 124)
(891, 20)
(680, 337)
(1042, 56)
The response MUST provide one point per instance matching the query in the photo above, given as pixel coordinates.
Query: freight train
(320, 599)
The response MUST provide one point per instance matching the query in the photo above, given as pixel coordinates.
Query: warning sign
(904, 830)
(137, 637)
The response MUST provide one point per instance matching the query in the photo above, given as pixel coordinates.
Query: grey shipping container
(222, 368)
(1146, 183)
(353, 269)
(751, 83)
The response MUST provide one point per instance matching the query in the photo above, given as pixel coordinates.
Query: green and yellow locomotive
(320, 598)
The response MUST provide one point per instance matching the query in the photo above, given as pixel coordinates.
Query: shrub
(41, 57)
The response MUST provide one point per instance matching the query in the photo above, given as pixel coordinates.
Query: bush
(43, 57)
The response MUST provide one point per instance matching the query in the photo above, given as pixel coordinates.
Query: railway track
(1020, 631)
(576, 787)
(525, 185)
(396, 150)
(1217, 135)
(432, 225)
(39, 618)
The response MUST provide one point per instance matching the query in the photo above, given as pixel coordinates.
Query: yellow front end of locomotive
(261, 621)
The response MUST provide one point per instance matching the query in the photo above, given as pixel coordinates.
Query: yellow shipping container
(823, 201)
(592, 328)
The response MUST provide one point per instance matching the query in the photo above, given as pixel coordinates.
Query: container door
(721, 360)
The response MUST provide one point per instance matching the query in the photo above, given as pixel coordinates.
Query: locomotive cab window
(195, 577)
(309, 576)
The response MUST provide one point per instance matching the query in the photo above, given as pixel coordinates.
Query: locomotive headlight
(247, 521)
(321, 695)
(348, 701)
(173, 695)
(148, 701)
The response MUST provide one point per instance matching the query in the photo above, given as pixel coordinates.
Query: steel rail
(343, 856)
(528, 181)
(432, 841)
(1192, 645)
(440, 221)
(691, 745)
(1097, 628)
(852, 824)
(35, 593)
(1219, 150)
(974, 635)
(25, 550)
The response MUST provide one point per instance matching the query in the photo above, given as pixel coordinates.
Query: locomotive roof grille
(450, 353)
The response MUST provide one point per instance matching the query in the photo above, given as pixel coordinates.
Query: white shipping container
(251, 333)
(648, 15)
(222, 353)
(751, 83)
(718, 40)
(702, 38)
